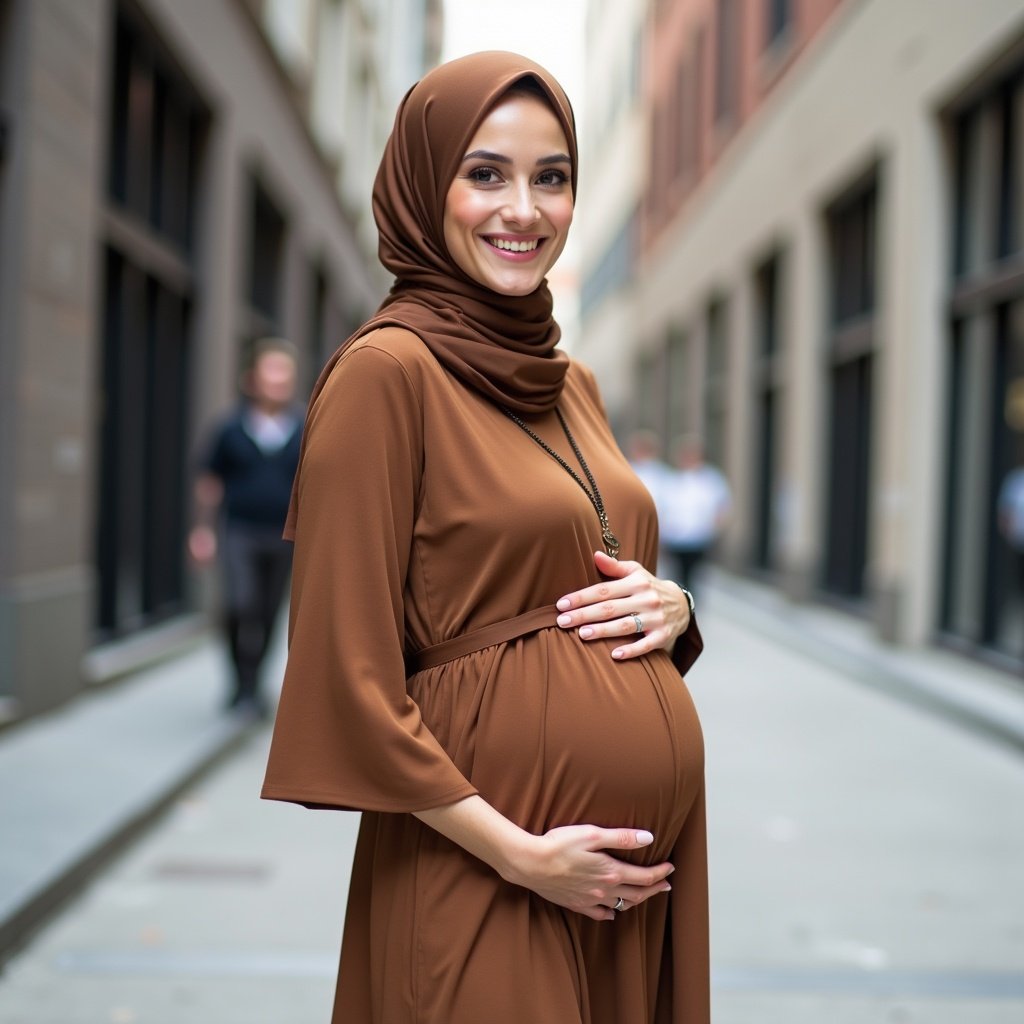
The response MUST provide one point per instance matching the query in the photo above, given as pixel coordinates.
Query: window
(853, 264)
(649, 381)
(768, 377)
(156, 133)
(266, 260)
(690, 106)
(677, 376)
(318, 330)
(983, 591)
(157, 130)
(777, 17)
(727, 61)
(716, 382)
(613, 269)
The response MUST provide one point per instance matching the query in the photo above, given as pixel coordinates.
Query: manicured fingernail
(617, 653)
(586, 631)
(564, 620)
(564, 604)
(644, 838)
(666, 888)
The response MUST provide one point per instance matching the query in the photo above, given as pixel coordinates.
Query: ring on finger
(620, 904)
(637, 621)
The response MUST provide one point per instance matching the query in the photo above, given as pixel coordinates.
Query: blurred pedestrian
(1010, 518)
(1010, 509)
(695, 510)
(242, 494)
(470, 662)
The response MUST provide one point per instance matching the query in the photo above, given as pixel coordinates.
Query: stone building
(177, 177)
(818, 265)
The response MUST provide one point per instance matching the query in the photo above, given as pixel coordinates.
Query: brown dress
(425, 513)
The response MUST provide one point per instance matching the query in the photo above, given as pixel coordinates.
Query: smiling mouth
(509, 245)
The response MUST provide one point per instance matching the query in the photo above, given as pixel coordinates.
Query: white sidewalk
(865, 869)
(76, 783)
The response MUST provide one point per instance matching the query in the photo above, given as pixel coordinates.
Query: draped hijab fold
(502, 346)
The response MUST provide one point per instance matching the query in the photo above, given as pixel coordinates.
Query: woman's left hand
(611, 608)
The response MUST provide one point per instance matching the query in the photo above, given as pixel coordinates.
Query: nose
(521, 208)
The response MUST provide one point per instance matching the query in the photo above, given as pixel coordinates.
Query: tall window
(649, 381)
(727, 61)
(777, 17)
(679, 97)
(983, 593)
(852, 236)
(677, 376)
(716, 382)
(768, 378)
(319, 331)
(266, 263)
(156, 140)
(691, 73)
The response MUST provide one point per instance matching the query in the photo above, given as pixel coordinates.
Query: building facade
(828, 285)
(176, 180)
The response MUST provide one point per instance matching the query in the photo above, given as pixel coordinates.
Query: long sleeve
(347, 733)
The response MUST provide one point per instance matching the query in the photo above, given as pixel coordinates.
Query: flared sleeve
(347, 734)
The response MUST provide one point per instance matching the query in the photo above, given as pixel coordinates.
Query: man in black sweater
(245, 481)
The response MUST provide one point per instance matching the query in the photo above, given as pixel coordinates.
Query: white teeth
(501, 243)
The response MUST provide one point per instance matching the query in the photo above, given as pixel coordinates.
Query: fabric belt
(476, 640)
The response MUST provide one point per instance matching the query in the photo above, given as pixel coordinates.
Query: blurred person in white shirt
(694, 509)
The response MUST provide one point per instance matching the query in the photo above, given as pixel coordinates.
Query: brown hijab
(502, 346)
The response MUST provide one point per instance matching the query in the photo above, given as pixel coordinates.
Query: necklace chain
(611, 542)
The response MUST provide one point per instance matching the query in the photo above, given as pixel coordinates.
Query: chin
(517, 291)
(515, 286)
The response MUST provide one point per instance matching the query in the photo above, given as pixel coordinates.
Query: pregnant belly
(553, 732)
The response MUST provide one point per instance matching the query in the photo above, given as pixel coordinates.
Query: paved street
(866, 867)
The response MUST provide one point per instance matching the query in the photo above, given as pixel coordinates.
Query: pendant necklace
(611, 542)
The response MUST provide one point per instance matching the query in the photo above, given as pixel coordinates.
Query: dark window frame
(728, 57)
(778, 22)
(852, 233)
(985, 135)
(155, 151)
(768, 380)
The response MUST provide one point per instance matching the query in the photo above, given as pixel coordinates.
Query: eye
(484, 175)
(552, 177)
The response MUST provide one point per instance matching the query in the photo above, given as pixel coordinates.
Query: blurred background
(799, 235)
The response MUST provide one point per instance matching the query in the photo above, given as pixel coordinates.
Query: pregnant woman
(479, 658)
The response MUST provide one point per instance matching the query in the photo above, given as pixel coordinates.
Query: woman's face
(509, 207)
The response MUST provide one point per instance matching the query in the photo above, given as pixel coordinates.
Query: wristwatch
(689, 596)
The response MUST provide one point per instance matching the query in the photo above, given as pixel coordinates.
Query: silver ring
(620, 903)
(639, 622)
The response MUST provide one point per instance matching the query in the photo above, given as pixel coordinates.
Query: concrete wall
(48, 294)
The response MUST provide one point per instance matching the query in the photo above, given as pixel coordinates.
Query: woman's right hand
(572, 866)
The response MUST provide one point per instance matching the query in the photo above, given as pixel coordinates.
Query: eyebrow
(484, 154)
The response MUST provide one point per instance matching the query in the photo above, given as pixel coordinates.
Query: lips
(518, 250)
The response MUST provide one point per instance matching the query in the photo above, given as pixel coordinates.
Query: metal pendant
(611, 542)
